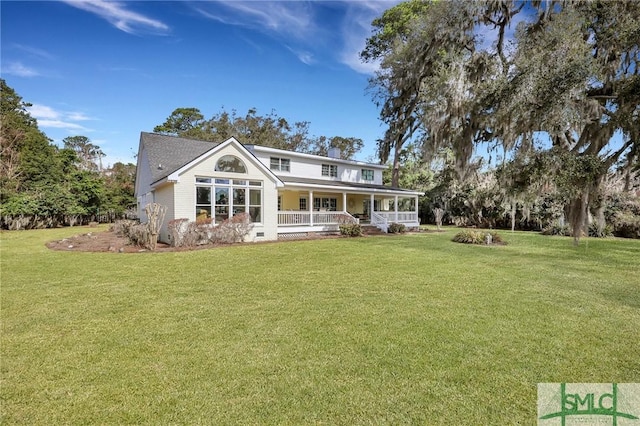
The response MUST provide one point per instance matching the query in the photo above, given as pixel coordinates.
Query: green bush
(606, 232)
(351, 230)
(396, 228)
(626, 225)
(496, 238)
(557, 230)
(469, 236)
(475, 236)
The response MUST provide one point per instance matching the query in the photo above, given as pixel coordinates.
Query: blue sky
(109, 70)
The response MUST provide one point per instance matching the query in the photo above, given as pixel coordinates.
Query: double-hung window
(330, 170)
(280, 164)
(367, 174)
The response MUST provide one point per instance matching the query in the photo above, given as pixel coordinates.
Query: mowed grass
(411, 329)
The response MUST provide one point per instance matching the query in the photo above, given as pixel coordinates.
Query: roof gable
(166, 154)
(175, 175)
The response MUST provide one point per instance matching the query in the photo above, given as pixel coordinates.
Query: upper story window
(230, 163)
(280, 164)
(367, 174)
(330, 170)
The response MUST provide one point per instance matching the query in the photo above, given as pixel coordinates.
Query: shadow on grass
(607, 268)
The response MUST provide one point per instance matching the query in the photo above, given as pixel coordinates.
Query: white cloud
(118, 16)
(356, 28)
(20, 70)
(298, 24)
(59, 124)
(48, 117)
(34, 51)
(43, 112)
(78, 116)
(292, 18)
(304, 56)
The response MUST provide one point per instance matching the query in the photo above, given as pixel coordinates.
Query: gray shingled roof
(169, 153)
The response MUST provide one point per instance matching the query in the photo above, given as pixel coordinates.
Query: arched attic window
(230, 163)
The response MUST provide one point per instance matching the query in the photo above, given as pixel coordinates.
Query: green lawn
(411, 329)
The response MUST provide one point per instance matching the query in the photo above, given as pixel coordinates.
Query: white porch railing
(380, 221)
(293, 218)
(299, 218)
(383, 219)
(399, 217)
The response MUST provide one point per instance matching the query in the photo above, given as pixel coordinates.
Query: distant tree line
(252, 129)
(523, 194)
(42, 185)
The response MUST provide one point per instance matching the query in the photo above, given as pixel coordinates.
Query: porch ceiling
(305, 183)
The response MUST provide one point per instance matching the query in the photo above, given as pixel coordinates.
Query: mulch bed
(108, 241)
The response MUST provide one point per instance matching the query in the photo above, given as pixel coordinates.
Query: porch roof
(306, 183)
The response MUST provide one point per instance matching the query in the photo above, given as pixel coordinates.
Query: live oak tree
(397, 85)
(348, 146)
(567, 82)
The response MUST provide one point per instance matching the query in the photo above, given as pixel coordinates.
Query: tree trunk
(395, 174)
(600, 220)
(577, 214)
(438, 213)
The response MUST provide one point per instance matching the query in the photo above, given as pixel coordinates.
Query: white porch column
(415, 210)
(371, 208)
(395, 207)
(344, 202)
(311, 208)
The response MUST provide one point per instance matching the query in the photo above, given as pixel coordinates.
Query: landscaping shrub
(626, 225)
(396, 228)
(496, 238)
(469, 236)
(122, 227)
(177, 229)
(351, 230)
(564, 230)
(344, 219)
(232, 230)
(139, 235)
(606, 232)
(190, 234)
(475, 236)
(136, 233)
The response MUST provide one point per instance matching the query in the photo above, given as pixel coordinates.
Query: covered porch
(325, 209)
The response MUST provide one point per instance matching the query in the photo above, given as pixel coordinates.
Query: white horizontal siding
(311, 168)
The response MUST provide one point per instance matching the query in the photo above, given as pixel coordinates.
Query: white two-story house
(285, 193)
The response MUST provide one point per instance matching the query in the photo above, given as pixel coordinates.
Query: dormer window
(330, 170)
(231, 164)
(367, 174)
(280, 164)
